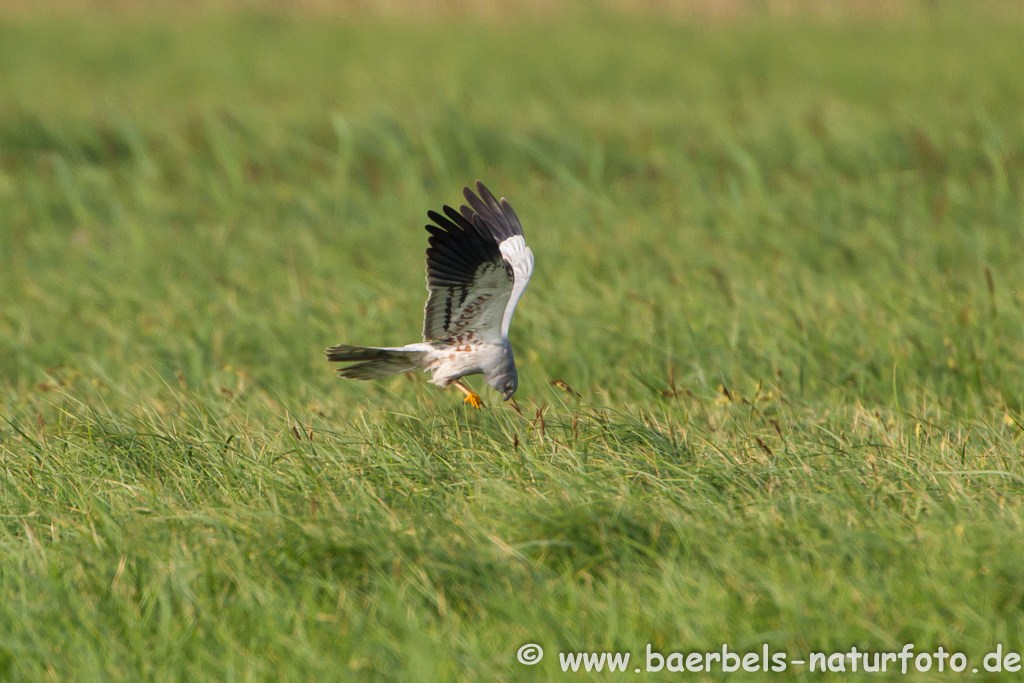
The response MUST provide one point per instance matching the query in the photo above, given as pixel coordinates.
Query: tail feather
(373, 362)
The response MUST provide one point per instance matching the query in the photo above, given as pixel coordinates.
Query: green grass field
(779, 261)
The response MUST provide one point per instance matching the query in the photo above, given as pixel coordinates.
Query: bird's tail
(374, 362)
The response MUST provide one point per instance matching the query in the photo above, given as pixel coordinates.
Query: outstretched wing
(478, 265)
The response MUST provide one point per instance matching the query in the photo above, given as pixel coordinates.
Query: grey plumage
(478, 265)
(374, 363)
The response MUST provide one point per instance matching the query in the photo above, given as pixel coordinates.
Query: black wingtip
(484, 193)
(498, 217)
(441, 221)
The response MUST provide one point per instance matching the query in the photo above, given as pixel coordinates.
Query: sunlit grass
(778, 264)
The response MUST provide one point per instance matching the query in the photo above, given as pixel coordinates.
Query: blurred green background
(778, 256)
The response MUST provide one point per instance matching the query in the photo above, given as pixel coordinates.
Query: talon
(474, 400)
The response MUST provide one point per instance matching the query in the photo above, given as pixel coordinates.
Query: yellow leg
(471, 396)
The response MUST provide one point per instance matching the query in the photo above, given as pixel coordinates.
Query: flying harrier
(478, 265)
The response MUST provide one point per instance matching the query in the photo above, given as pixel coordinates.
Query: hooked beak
(507, 395)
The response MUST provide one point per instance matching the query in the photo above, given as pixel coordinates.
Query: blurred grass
(779, 261)
(691, 10)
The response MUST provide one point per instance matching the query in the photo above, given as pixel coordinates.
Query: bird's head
(506, 381)
(506, 384)
(509, 389)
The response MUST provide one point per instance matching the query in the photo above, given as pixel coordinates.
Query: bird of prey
(478, 265)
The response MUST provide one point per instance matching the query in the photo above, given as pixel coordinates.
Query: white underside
(520, 257)
(449, 363)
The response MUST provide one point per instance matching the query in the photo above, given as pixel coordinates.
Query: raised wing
(501, 221)
(478, 265)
